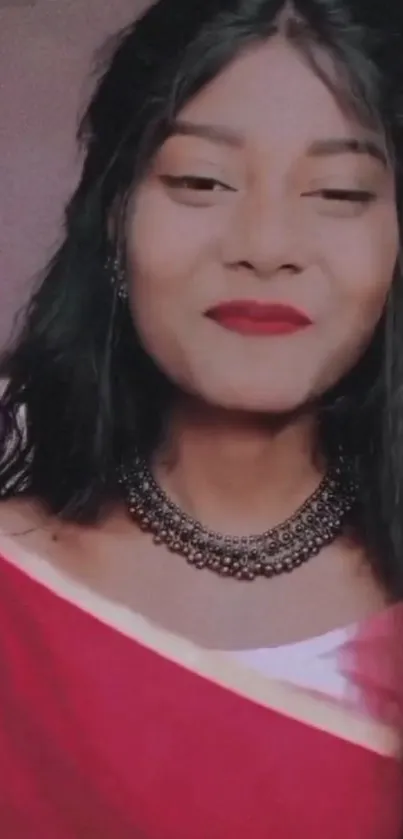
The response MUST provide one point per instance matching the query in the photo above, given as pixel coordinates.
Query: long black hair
(81, 390)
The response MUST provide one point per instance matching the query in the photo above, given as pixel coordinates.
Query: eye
(354, 196)
(195, 183)
(342, 203)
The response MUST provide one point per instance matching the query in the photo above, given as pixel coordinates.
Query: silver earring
(117, 276)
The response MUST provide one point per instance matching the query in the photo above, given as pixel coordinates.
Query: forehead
(272, 97)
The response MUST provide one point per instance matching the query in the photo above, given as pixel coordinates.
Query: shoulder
(28, 534)
(20, 518)
(28, 531)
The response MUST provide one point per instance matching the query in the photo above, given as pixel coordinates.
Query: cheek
(167, 243)
(169, 248)
(362, 268)
(363, 259)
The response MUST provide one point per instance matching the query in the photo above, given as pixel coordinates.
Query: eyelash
(197, 183)
(355, 196)
(194, 182)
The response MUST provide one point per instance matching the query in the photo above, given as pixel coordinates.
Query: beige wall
(45, 55)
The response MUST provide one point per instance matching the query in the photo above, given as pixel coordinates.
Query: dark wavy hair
(81, 390)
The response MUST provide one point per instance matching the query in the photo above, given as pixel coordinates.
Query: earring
(117, 277)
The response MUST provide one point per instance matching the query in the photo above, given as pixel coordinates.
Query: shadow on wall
(46, 48)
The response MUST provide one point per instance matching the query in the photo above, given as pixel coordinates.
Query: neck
(237, 474)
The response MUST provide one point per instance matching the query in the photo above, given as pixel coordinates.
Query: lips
(250, 317)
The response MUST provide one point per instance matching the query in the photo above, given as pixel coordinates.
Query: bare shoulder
(20, 517)
(27, 529)
(25, 525)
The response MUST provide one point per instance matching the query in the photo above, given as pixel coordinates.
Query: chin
(255, 399)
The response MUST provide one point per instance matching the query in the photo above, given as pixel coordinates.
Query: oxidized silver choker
(318, 522)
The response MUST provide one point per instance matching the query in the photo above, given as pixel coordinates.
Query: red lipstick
(250, 317)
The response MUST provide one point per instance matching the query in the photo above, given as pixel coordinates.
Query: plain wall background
(46, 52)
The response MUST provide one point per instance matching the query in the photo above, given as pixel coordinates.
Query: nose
(265, 236)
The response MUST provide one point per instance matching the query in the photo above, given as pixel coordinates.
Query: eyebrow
(348, 145)
(215, 133)
(319, 148)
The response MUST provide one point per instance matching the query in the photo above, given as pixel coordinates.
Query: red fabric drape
(101, 738)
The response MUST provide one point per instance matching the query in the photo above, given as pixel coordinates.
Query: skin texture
(238, 452)
(267, 234)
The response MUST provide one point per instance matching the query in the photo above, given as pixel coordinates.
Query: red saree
(108, 736)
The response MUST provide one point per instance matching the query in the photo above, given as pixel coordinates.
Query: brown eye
(194, 183)
(355, 196)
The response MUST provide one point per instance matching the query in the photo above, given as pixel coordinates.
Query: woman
(214, 351)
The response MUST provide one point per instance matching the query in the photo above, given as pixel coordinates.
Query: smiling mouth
(249, 317)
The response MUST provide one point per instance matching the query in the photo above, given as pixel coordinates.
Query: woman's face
(266, 195)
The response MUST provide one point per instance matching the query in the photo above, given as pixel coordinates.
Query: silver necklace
(317, 523)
